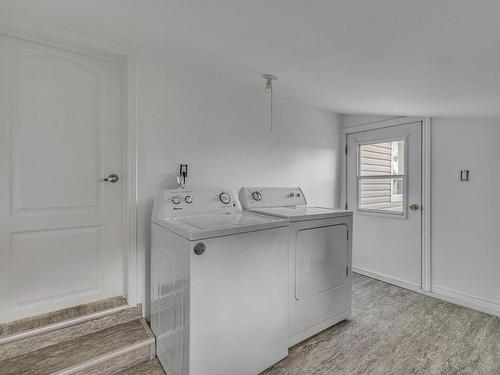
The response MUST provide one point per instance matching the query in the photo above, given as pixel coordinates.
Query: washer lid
(210, 225)
(301, 213)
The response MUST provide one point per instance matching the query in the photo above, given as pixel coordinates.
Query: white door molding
(426, 204)
(426, 181)
(130, 186)
(24, 30)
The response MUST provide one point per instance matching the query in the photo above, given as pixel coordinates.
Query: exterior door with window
(384, 192)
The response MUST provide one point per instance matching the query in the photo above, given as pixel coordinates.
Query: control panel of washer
(253, 197)
(171, 203)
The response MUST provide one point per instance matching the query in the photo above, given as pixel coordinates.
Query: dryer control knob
(256, 195)
(188, 199)
(176, 200)
(225, 198)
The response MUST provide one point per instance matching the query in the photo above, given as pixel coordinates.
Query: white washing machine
(320, 258)
(219, 284)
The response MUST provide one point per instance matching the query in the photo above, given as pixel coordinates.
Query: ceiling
(404, 57)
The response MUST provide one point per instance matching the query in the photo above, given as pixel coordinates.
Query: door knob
(112, 178)
(413, 207)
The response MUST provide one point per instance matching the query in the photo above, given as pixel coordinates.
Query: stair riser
(152, 367)
(117, 364)
(53, 319)
(105, 342)
(31, 344)
(60, 325)
(82, 352)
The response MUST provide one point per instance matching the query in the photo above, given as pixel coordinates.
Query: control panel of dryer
(255, 197)
(173, 203)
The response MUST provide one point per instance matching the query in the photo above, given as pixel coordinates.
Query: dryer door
(321, 260)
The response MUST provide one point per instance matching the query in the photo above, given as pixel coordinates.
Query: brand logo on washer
(199, 248)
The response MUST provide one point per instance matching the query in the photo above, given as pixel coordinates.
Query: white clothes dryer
(320, 246)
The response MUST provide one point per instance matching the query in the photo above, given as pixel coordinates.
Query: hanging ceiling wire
(269, 92)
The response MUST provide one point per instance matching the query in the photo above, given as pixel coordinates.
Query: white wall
(219, 129)
(465, 229)
(465, 215)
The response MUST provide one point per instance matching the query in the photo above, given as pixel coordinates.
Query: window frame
(404, 196)
(396, 197)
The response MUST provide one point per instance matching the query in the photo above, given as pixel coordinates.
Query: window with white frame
(381, 175)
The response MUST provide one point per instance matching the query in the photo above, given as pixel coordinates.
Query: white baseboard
(456, 297)
(484, 305)
(389, 279)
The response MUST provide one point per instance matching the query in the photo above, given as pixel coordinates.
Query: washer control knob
(176, 200)
(199, 248)
(188, 199)
(225, 198)
(291, 195)
(256, 195)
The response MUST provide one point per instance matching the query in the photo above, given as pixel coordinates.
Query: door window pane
(397, 190)
(397, 158)
(382, 159)
(381, 172)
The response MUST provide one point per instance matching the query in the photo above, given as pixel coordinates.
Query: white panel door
(60, 133)
(384, 192)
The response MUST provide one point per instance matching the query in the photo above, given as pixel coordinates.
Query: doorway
(61, 207)
(384, 191)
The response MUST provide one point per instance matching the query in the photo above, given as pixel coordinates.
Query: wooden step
(32, 326)
(22, 346)
(104, 351)
(151, 367)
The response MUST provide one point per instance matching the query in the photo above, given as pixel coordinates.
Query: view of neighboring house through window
(381, 176)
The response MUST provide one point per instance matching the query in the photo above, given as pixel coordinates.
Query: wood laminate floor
(396, 331)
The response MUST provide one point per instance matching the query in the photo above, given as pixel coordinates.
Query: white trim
(130, 184)
(75, 43)
(426, 182)
(484, 305)
(375, 121)
(343, 168)
(382, 124)
(415, 287)
(63, 324)
(456, 297)
(426, 204)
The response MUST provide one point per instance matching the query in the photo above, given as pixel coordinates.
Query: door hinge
(346, 206)
(347, 235)
(346, 149)
(346, 271)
